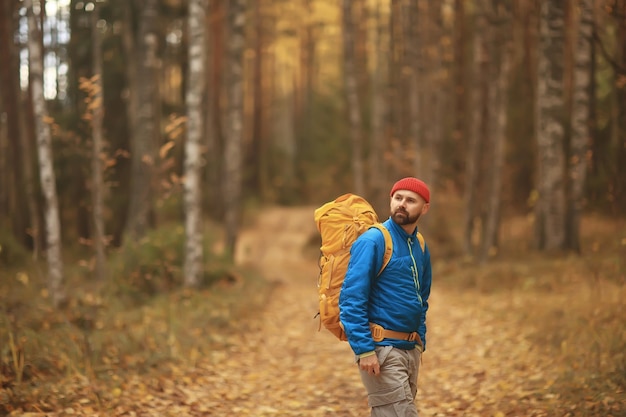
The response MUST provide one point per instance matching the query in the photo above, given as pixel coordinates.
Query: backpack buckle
(413, 337)
(378, 332)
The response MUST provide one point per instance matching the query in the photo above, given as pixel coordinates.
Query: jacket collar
(393, 226)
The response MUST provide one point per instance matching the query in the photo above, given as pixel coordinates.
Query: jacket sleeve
(425, 294)
(354, 297)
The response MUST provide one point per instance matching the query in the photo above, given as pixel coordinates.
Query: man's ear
(425, 208)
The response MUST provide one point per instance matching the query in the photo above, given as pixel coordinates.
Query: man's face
(407, 207)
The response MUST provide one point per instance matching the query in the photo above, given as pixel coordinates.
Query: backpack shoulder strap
(388, 245)
(421, 239)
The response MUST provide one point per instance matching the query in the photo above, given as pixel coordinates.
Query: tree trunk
(580, 124)
(413, 65)
(233, 149)
(499, 70)
(146, 113)
(619, 128)
(352, 99)
(46, 167)
(378, 173)
(550, 207)
(438, 99)
(213, 125)
(394, 136)
(472, 160)
(460, 76)
(12, 182)
(257, 156)
(97, 167)
(193, 145)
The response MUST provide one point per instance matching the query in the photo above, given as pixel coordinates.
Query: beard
(402, 217)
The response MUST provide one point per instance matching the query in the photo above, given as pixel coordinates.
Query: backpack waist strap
(379, 333)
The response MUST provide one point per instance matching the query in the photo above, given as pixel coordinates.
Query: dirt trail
(471, 368)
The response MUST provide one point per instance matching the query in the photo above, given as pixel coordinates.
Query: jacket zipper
(414, 271)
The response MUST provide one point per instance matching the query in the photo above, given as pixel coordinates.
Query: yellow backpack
(340, 222)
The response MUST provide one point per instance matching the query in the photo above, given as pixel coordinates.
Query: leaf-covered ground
(478, 362)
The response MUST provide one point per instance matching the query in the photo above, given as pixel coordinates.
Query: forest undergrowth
(523, 335)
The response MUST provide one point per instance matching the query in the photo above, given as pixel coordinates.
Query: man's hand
(370, 365)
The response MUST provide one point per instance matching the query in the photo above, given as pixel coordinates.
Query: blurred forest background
(137, 137)
(118, 117)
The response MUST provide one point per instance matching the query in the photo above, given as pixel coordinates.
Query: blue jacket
(396, 300)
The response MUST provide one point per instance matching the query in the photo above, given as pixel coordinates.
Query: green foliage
(153, 265)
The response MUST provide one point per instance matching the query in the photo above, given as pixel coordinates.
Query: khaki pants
(392, 393)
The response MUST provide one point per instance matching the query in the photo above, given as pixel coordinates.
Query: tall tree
(213, 123)
(12, 177)
(352, 98)
(257, 154)
(478, 100)
(97, 165)
(434, 93)
(145, 110)
(193, 145)
(233, 150)
(619, 129)
(460, 75)
(499, 68)
(550, 206)
(56, 285)
(580, 124)
(413, 65)
(378, 175)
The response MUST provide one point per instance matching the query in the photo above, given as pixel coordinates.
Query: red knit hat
(412, 184)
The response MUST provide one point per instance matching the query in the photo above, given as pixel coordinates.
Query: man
(396, 301)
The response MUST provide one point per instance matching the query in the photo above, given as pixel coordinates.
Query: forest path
(476, 364)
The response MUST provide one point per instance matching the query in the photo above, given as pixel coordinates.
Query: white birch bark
(193, 145)
(46, 167)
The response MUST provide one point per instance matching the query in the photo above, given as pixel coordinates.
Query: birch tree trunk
(352, 98)
(145, 111)
(97, 167)
(193, 144)
(550, 208)
(233, 149)
(56, 285)
(580, 124)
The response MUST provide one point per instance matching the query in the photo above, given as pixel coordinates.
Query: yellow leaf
(165, 149)
(22, 277)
